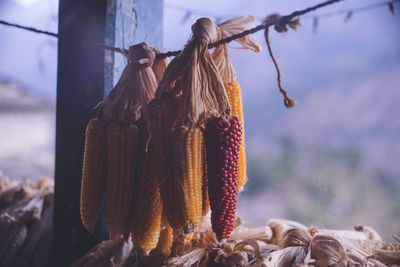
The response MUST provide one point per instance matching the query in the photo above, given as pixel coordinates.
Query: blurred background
(332, 161)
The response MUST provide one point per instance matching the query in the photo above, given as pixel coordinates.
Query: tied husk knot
(205, 29)
(127, 101)
(193, 79)
(141, 56)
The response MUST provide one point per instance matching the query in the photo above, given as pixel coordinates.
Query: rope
(353, 10)
(28, 28)
(284, 20)
(287, 101)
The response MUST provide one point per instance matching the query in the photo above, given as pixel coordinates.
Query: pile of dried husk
(278, 243)
(26, 211)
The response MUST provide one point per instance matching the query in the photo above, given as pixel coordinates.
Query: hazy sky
(26, 57)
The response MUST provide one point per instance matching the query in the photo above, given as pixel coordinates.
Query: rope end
(289, 102)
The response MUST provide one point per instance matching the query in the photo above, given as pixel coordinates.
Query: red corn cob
(223, 137)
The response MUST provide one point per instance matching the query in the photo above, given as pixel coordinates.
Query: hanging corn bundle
(190, 94)
(115, 143)
(228, 75)
(145, 222)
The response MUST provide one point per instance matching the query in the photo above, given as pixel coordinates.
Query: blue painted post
(85, 75)
(129, 22)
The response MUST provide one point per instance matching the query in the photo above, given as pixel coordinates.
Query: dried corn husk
(159, 65)
(279, 227)
(229, 254)
(370, 233)
(299, 247)
(363, 241)
(125, 254)
(220, 54)
(40, 235)
(100, 255)
(387, 257)
(290, 256)
(135, 88)
(295, 242)
(328, 251)
(14, 190)
(12, 237)
(263, 233)
(193, 78)
(25, 221)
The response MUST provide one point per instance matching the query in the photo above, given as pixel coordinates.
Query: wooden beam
(85, 75)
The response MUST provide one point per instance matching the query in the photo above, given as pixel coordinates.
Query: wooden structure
(85, 75)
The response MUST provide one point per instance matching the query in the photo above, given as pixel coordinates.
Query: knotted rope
(280, 25)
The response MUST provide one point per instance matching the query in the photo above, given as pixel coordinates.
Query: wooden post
(80, 86)
(85, 75)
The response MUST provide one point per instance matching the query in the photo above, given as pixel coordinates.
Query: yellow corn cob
(206, 199)
(93, 173)
(164, 245)
(188, 238)
(235, 99)
(165, 241)
(122, 151)
(162, 115)
(147, 207)
(187, 159)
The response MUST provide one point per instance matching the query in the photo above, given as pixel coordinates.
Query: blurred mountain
(361, 113)
(15, 99)
(27, 126)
